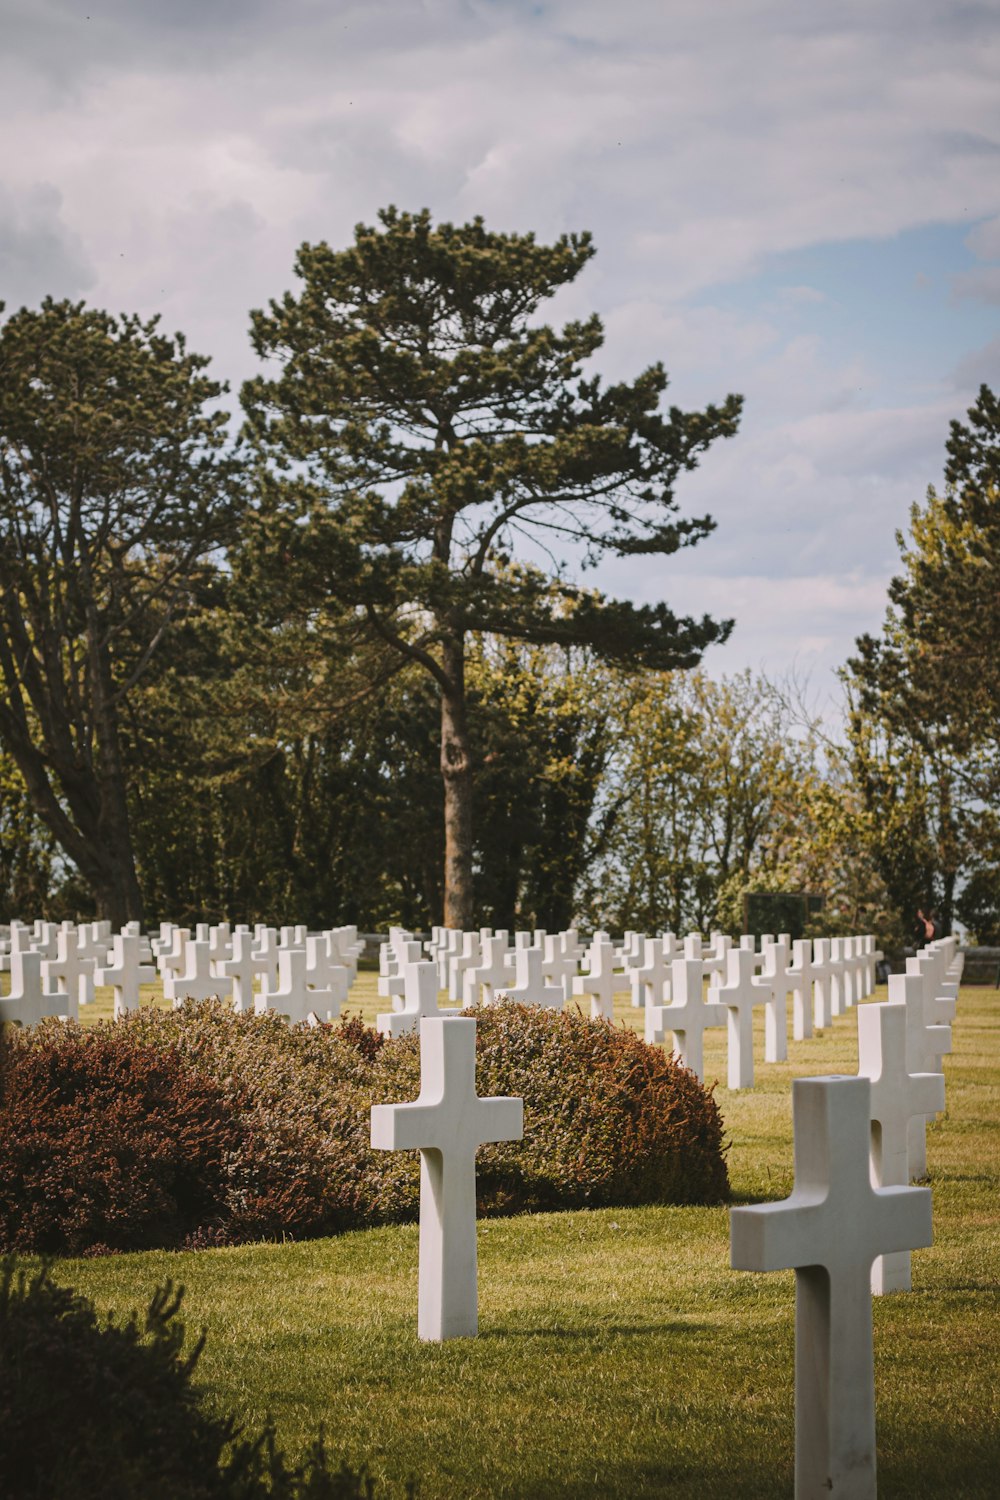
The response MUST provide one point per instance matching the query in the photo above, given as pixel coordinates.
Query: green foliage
(705, 794)
(931, 682)
(27, 849)
(94, 1409)
(543, 722)
(423, 423)
(113, 487)
(203, 1127)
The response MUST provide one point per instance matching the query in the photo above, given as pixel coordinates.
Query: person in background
(923, 929)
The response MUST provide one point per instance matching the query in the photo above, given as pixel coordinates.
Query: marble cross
(28, 1001)
(447, 1124)
(802, 995)
(739, 995)
(292, 996)
(125, 972)
(70, 970)
(687, 1016)
(925, 1047)
(324, 970)
(600, 982)
(529, 987)
(650, 974)
(822, 985)
(559, 962)
(197, 982)
(469, 957)
(491, 974)
(418, 1001)
(170, 959)
(836, 968)
(829, 1232)
(775, 984)
(897, 1097)
(242, 969)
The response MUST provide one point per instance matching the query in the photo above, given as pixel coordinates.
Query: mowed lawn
(618, 1353)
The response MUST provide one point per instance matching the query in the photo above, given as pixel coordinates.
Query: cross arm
(777, 1236)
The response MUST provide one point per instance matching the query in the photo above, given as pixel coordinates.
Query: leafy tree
(113, 484)
(931, 680)
(708, 789)
(424, 424)
(27, 850)
(543, 723)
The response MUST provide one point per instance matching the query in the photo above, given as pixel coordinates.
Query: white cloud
(189, 148)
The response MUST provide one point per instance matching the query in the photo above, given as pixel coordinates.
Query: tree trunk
(118, 897)
(456, 771)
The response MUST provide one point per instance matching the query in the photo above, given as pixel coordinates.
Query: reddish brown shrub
(106, 1144)
(203, 1127)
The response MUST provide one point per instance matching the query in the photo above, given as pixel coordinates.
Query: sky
(797, 200)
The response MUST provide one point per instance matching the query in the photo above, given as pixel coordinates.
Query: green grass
(618, 1353)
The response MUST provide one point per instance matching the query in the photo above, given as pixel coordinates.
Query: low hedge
(272, 1132)
(91, 1410)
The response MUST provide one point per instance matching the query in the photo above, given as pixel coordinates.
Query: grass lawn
(618, 1354)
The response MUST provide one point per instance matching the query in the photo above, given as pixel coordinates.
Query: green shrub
(608, 1120)
(92, 1410)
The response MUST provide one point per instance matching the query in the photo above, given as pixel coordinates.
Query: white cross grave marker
(125, 973)
(242, 969)
(491, 974)
(829, 1232)
(324, 970)
(739, 995)
(28, 1002)
(775, 984)
(418, 1001)
(801, 973)
(529, 987)
(925, 1047)
(71, 969)
(897, 1096)
(292, 996)
(600, 980)
(822, 985)
(650, 974)
(446, 1124)
(559, 964)
(688, 1015)
(197, 982)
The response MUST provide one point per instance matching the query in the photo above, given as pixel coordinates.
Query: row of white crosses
(303, 976)
(847, 1229)
(54, 969)
(666, 977)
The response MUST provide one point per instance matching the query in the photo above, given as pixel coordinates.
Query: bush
(608, 1121)
(90, 1410)
(108, 1142)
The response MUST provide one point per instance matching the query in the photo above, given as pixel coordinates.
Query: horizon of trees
(222, 662)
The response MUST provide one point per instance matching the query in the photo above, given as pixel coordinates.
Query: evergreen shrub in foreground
(92, 1410)
(608, 1121)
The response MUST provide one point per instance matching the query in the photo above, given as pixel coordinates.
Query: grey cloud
(39, 254)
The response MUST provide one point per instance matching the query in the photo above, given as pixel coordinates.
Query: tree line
(330, 661)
